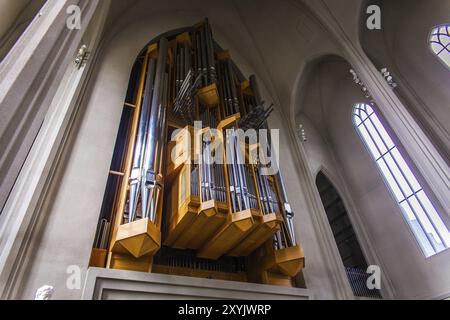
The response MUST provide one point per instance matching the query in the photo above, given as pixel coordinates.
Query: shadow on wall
(15, 17)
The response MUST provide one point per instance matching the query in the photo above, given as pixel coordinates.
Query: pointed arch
(439, 41)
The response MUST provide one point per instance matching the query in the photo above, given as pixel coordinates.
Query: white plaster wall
(9, 12)
(73, 208)
(15, 16)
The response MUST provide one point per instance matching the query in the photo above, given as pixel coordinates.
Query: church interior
(293, 149)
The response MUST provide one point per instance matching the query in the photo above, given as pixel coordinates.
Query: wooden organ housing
(169, 205)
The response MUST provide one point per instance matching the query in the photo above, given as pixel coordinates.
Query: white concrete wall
(9, 12)
(15, 15)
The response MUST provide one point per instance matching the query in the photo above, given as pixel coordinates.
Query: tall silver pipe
(231, 171)
(138, 156)
(288, 223)
(153, 182)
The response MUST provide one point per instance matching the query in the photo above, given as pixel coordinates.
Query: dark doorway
(345, 237)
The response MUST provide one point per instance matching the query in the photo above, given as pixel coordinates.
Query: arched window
(440, 43)
(426, 224)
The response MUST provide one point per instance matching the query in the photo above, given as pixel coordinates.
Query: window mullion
(378, 132)
(407, 199)
(371, 137)
(436, 229)
(389, 151)
(414, 193)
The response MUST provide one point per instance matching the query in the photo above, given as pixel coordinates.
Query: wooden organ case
(186, 195)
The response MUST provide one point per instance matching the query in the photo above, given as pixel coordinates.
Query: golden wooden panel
(179, 229)
(266, 227)
(209, 96)
(184, 208)
(98, 258)
(127, 262)
(139, 238)
(288, 261)
(211, 216)
(229, 121)
(277, 279)
(229, 235)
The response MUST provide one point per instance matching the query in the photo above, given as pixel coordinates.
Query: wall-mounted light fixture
(302, 133)
(388, 77)
(82, 56)
(361, 84)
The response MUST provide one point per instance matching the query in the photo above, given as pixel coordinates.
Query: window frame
(406, 197)
(429, 44)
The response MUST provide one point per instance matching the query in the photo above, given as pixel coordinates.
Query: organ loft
(186, 194)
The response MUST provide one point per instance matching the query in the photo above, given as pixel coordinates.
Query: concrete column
(35, 78)
(29, 77)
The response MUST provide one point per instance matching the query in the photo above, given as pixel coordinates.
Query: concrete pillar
(30, 82)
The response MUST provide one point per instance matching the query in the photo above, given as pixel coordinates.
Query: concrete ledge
(109, 284)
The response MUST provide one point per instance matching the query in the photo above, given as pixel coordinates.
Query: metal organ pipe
(288, 232)
(242, 190)
(232, 84)
(210, 51)
(136, 176)
(151, 191)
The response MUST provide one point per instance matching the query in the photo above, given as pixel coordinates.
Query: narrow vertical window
(440, 43)
(426, 224)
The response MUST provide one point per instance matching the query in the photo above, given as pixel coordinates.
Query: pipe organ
(186, 194)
